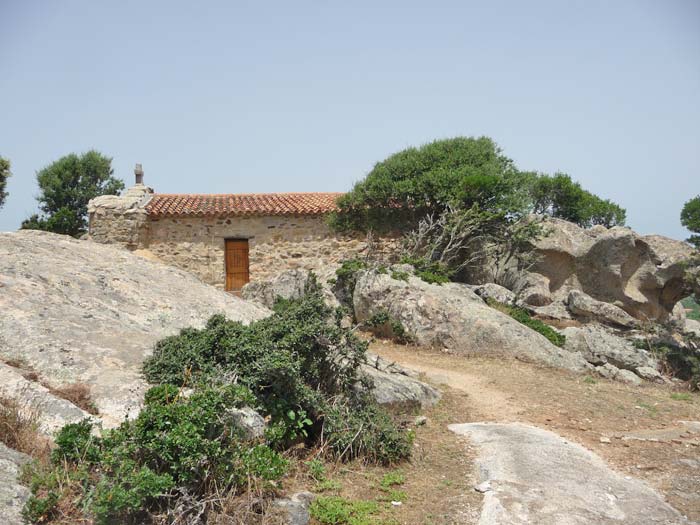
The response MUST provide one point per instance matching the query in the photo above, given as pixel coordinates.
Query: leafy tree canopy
(463, 172)
(67, 186)
(561, 197)
(4, 175)
(690, 218)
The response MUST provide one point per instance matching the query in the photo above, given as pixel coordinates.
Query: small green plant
(431, 272)
(521, 315)
(589, 380)
(334, 510)
(384, 325)
(328, 485)
(316, 469)
(400, 275)
(397, 495)
(681, 396)
(391, 479)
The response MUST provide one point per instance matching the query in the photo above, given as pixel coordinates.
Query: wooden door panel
(237, 264)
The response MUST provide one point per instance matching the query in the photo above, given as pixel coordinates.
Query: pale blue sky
(219, 97)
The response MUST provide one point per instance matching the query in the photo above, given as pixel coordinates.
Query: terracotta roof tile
(225, 205)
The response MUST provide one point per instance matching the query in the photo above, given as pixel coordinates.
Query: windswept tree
(561, 197)
(690, 218)
(67, 186)
(4, 175)
(463, 172)
(462, 204)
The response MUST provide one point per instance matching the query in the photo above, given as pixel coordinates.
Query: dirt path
(639, 431)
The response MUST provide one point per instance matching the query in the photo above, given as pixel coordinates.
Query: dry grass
(77, 393)
(19, 427)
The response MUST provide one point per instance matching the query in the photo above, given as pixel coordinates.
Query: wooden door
(237, 271)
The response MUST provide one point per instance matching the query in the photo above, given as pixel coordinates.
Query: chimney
(138, 171)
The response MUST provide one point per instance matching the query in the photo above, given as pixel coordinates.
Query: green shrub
(346, 278)
(685, 364)
(383, 324)
(298, 367)
(175, 442)
(522, 316)
(432, 272)
(365, 431)
(291, 361)
(75, 443)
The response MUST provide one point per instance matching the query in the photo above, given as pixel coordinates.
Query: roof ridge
(241, 204)
(247, 194)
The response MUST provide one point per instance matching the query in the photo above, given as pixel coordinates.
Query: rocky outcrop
(13, 495)
(397, 387)
(294, 510)
(600, 347)
(248, 422)
(585, 307)
(289, 284)
(78, 311)
(451, 316)
(495, 292)
(643, 275)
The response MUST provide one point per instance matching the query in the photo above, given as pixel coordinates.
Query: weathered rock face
(248, 422)
(397, 387)
(13, 495)
(600, 347)
(584, 306)
(289, 284)
(452, 316)
(495, 292)
(643, 275)
(78, 311)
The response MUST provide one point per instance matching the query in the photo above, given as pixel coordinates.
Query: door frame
(226, 239)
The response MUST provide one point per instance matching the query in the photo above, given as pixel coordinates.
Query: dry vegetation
(19, 428)
(77, 393)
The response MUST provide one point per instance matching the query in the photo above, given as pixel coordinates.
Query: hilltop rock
(643, 275)
(452, 316)
(78, 311)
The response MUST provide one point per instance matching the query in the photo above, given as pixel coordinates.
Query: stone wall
(276, 243)
(120, 220)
